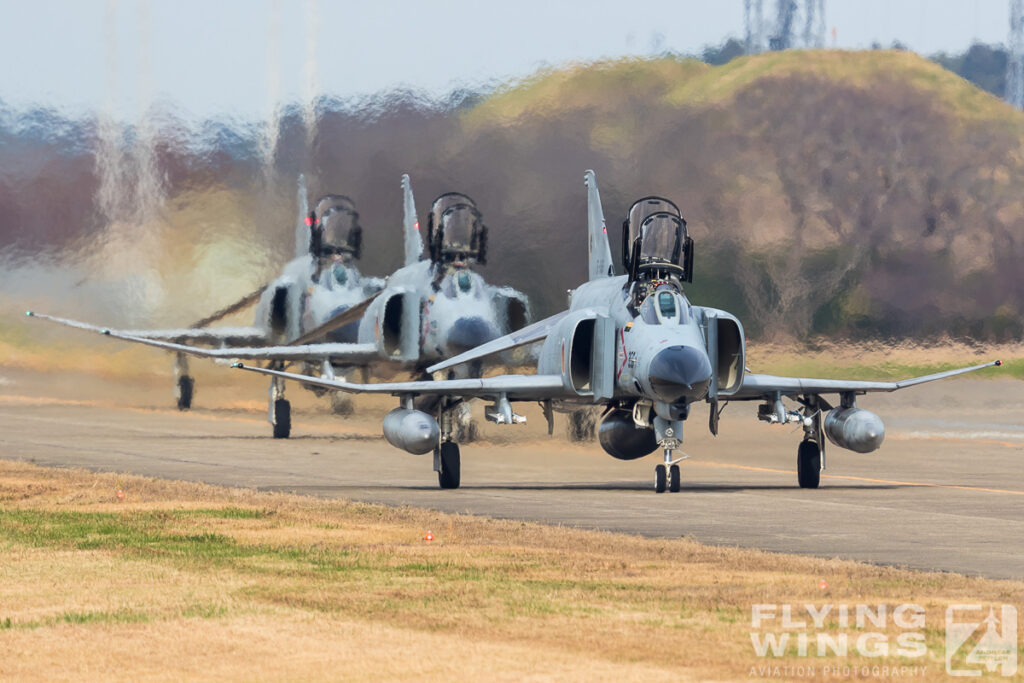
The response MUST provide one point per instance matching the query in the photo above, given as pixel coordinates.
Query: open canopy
(338, 226)
(662, 237)
(456, 231)
(654, 238)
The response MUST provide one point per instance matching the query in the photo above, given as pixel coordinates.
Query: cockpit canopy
(654, 239)
(455, 230)
(336, 228)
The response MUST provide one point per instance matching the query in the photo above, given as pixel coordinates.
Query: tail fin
(302, 233)
(410, 224)
(599, 253)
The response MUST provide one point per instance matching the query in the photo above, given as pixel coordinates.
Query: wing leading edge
(195, 335)
(518, 387)
(340, 352)
(761, 386)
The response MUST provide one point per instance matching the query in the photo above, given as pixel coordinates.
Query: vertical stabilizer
(599, 253)
(302, 232)
(410, 224)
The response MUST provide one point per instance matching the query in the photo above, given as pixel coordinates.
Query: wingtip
(106, 332)
(998, 363)
(29, 314)
(238, 364)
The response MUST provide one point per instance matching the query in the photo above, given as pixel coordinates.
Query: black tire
(282, 419)
(659, 479)
(186, 385)
(674, 479)
(808, 465)
(451, 466)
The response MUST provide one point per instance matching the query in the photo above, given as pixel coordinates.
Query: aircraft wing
(339, 353)
(766, 386)
(526, 335)
(515, 387)
(185, 335)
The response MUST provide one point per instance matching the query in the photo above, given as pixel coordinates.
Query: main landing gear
(447, 461)
(808, 465)
(279, 410)
(810, 455)
(184, 384)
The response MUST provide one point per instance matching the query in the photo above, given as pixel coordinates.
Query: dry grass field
(178, 580)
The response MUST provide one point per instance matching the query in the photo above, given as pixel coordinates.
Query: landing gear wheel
(282, 419)
(808, 465)
(659, 479)
(184, 392)
(674, 479)
(451, 466)
(341, 404)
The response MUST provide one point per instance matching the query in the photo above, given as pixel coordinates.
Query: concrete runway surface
(945, 492)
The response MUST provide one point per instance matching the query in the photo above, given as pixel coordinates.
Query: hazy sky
(236, 57)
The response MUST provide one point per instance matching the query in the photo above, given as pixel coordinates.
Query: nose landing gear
(670, 437)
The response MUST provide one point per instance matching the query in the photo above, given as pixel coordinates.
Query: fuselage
(301, 298)
(431, 311)
(660, 350)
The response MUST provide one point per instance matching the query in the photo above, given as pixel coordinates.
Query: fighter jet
(428, 310)
(635, 345)
(303, 303)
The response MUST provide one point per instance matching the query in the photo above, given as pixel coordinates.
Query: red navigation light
(309, 221)
(416, 225)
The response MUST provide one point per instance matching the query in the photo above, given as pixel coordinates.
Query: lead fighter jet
(635, 345)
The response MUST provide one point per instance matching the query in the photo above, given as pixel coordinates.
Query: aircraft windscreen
(662, 239)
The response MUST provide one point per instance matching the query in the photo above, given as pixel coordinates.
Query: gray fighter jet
(305, 302)
(428, 310)
(635, 345)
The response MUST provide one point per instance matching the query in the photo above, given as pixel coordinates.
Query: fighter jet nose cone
(678, 373)
(469, 333)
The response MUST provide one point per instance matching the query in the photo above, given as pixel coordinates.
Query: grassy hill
(830, 193)
(857, 192)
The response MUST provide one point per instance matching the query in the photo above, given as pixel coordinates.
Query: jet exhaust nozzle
(469, 333)
(854, 429)
(679, 373)
(411, 430)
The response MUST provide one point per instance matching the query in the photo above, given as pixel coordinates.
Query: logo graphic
(977, 644)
